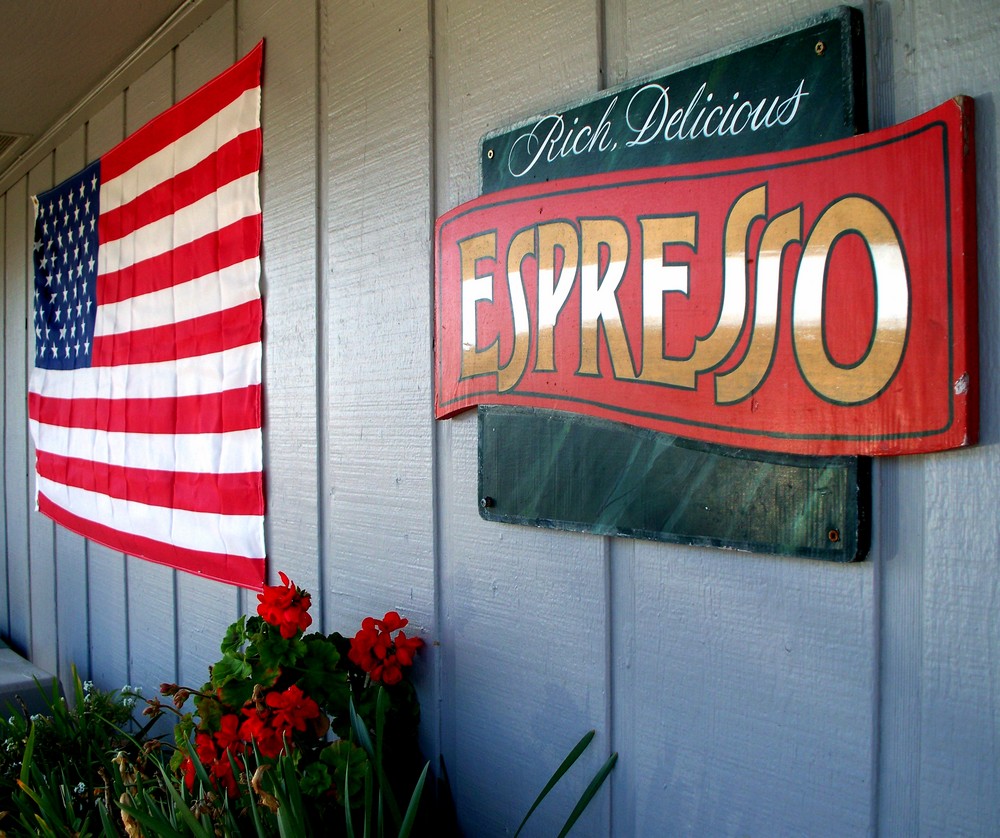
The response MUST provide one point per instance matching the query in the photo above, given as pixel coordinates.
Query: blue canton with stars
(65, 257)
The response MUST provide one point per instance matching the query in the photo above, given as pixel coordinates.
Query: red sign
(817, 301)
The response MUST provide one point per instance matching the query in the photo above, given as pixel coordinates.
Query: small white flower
(80, 788)
(36, 717)
(88, 686)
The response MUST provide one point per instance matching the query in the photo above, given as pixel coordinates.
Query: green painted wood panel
(538, 469)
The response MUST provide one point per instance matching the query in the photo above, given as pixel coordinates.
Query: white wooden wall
(746, 695)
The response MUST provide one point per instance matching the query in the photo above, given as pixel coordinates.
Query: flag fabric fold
(144, 402)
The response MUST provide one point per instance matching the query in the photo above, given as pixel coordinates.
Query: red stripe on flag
(236, 570)
(236, 326)
(186, 115)
(239, 157)
(212, 252)
(213, 413)
(220, 494)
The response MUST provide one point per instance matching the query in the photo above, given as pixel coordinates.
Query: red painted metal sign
(818, 301)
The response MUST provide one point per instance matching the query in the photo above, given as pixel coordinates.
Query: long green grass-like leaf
(589, 794)
(251, 796)
(109, 828)
(180, 806)
(348, 820)
(291, 823)
(77, 689)
(27, 760)
(381, 706)
(565, 766)
(369, 798)
(411, 811)
(160, 824)
(364, 740)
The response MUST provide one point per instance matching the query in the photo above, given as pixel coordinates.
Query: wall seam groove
(322, 300)
(877, 575)
(86, 542)
(127, 622)
(3, 435)
(174, 586)
(610, 635)
(435, 500)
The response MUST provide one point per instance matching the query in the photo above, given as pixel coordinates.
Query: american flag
(145, 398)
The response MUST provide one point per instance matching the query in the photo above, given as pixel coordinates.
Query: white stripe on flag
(230, 369)
(208, 294)
(238, 535)
(238, 117)
(234, 452)
(232, 202)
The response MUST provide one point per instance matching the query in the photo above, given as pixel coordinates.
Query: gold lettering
(598, 296)
(712, 349)
(552, 295)
(742, 381)
(659, 278)
(864, 380)
(522, 246)
(476, 287)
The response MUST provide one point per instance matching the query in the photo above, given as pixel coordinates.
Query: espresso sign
(815, 301)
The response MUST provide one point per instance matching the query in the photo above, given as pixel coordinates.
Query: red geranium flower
(228, 735)
(377, 653)
(222, 773)
(291, 709)
(256, 728)
(204, 746)
(285, 606)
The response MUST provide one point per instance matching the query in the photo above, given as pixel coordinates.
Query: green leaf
(316, 780)
(319, 674)
(181, 807)
(567, 763)
(345, 758)
(381, 706)
(27, 759)
(236, 636)
(232, 667)
(364, 740)
(411, 810)
(369, 798)
(588, 794)
(291, 820)
(348, 820)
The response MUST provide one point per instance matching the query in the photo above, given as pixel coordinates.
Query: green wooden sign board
(536, 468)
(553, 469)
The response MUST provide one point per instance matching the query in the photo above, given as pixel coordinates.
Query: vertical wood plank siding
(107, 595)
(746, 694)
(151, 589)
(204, 607)
(70, 555)
(43, 611)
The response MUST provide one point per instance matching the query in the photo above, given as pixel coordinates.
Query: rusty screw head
(820, 48)
(834, 536)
